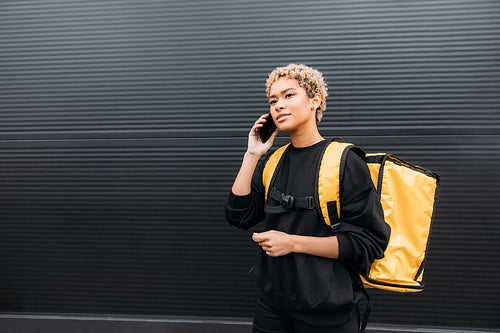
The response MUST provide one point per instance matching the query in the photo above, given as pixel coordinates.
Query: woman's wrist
(295, 244)
(252, 155)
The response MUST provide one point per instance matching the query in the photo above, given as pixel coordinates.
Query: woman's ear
(316, 101)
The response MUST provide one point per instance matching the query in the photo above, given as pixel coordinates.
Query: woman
(307, 274)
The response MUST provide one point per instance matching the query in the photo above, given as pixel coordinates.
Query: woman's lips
(282, 117)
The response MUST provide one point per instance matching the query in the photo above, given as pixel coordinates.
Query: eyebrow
(283, 91)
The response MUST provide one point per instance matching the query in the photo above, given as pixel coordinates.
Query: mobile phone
(267, 129)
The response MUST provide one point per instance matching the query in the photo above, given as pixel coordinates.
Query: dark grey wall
(122, 125)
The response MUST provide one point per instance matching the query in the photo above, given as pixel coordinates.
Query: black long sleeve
(363, 234)
(246, 211)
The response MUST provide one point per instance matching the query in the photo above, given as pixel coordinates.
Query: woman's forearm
(243, 183)
(277, 243)
(327, 247)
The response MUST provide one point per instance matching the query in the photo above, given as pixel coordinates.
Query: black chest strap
(288, 202)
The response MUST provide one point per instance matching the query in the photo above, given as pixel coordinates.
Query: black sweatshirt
(317, 290)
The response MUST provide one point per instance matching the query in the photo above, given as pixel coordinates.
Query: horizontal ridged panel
(123, 123)
(136, 226)
(122, 68)
(121, 227)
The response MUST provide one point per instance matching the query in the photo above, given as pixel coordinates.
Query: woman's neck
(305, 138)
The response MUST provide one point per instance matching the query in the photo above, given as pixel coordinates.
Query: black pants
(272, 318)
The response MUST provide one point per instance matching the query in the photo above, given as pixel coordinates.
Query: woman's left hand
(274, 243)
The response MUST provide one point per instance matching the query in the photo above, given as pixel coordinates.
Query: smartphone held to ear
(267, 129)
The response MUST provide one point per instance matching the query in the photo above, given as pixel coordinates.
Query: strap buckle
(335, 227)
(310, 202)
(287, 200)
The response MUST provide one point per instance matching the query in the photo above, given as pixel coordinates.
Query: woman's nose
(280, 104)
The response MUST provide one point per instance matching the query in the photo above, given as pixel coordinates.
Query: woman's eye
(272, 102)
(288, 95)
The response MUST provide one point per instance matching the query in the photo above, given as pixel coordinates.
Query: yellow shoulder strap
(271, 164)
(329, 179)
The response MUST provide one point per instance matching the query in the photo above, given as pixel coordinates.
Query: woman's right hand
(255, 145)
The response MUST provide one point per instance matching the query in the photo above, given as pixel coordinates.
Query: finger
(262, 119)
(272, 254)
(259, 237)
(265, 233)
(255, 127)
(257, 124)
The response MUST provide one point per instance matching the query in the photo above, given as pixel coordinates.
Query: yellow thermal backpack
(407, 193)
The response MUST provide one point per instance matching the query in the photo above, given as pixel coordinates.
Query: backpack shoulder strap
(330, 174)
(270, 167)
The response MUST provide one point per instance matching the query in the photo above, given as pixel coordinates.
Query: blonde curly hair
(308, 78)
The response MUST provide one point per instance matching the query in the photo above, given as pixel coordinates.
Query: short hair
(308, 78)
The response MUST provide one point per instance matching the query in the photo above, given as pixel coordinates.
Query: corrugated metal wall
(122, 125)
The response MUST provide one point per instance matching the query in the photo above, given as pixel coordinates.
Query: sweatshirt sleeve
(363, 234)
(247, 210)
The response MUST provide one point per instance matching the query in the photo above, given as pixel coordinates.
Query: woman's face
(290, 106)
